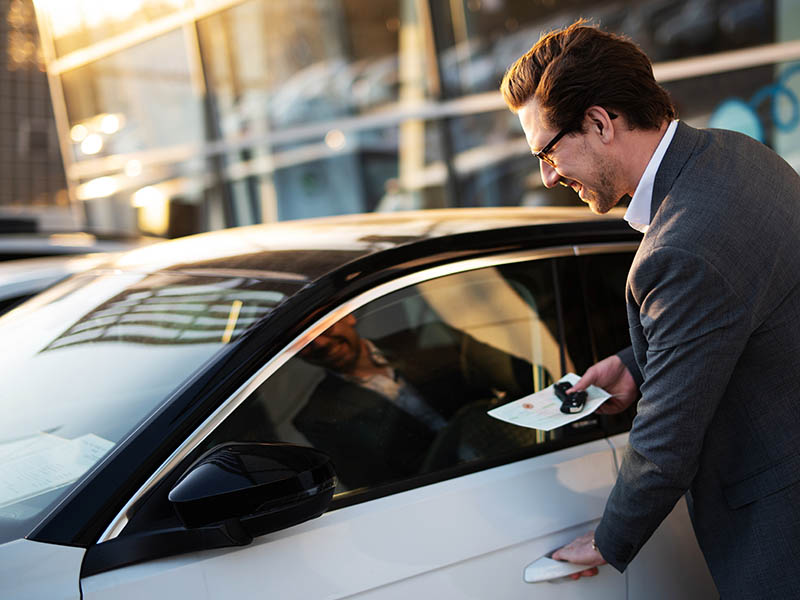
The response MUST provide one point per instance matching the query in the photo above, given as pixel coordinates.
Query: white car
(31, 262)
(299, 410)
(23, 278)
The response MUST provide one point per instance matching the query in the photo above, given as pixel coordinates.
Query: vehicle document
(44, 462)
(542, 410)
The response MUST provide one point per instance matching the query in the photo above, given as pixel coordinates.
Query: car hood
(35, 570)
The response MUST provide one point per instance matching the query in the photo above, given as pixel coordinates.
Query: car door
(435, 497)
(593, 284)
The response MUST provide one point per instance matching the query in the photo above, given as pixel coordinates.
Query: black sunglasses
(542, 154)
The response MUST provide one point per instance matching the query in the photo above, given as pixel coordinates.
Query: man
(394, 401)
(713, 300)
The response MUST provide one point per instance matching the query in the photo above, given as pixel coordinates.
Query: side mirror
(231, 494)
(266, 487)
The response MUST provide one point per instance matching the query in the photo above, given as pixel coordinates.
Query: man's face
(337, 348)
(579, 160)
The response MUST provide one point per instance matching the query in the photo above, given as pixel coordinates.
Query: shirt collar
(638, 213)
(378, 359)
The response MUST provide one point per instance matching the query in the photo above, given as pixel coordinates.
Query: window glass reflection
(492, 158)
(762, 102)
(486, 36)
(76, 24)
(171, 200)
(262, 110)
(386, 169)
(141, 97)
(282, 63)
(401, 387)
(129, 337)
(93, 356)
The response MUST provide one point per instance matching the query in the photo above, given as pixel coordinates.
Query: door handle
(547, 569)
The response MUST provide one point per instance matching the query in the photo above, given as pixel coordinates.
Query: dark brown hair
(571, 69)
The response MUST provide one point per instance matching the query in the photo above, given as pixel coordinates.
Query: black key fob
(570, 403)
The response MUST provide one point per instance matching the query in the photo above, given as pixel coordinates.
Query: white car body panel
(35, 570)
(480, 533)
(469, 537)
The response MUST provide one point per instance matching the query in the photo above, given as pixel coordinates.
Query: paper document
(45, 462)
(542, 410)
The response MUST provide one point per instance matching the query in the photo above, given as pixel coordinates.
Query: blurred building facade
(32, 183)
(176, 116)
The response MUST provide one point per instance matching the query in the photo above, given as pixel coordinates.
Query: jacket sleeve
(695, 327)
(629, 360)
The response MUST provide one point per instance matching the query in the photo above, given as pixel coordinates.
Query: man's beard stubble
(606, 195)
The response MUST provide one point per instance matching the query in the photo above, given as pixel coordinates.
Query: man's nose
(550, 176)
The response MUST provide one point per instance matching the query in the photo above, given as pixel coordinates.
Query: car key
(570, 403)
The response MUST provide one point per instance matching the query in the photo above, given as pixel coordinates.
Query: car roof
(309, 248)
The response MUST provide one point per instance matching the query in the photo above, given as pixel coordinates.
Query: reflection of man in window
(356, 359)
(384, 402)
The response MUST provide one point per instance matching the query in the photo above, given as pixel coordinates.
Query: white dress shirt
(638, 213)
(392, 386)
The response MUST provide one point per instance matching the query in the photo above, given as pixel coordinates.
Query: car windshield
(86, 361)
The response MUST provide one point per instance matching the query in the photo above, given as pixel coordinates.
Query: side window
(592, 288)
(604, 277)
(401, 387)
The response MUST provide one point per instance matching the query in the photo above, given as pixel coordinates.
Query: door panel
(468, 578)
(469, 537)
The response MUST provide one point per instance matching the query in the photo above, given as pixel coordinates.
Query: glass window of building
(141, 97)
(77, 24)
(229, 112)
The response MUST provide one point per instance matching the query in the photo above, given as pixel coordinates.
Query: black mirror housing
(231, 494)
(266, 486)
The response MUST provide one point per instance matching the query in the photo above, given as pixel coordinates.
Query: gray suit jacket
(714, 309)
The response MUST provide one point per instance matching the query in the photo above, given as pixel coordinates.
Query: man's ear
(596, 120)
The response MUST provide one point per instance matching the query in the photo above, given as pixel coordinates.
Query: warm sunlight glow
(101, 187)
(92, 144)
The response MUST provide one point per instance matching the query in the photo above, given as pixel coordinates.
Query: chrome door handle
(547, 569)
